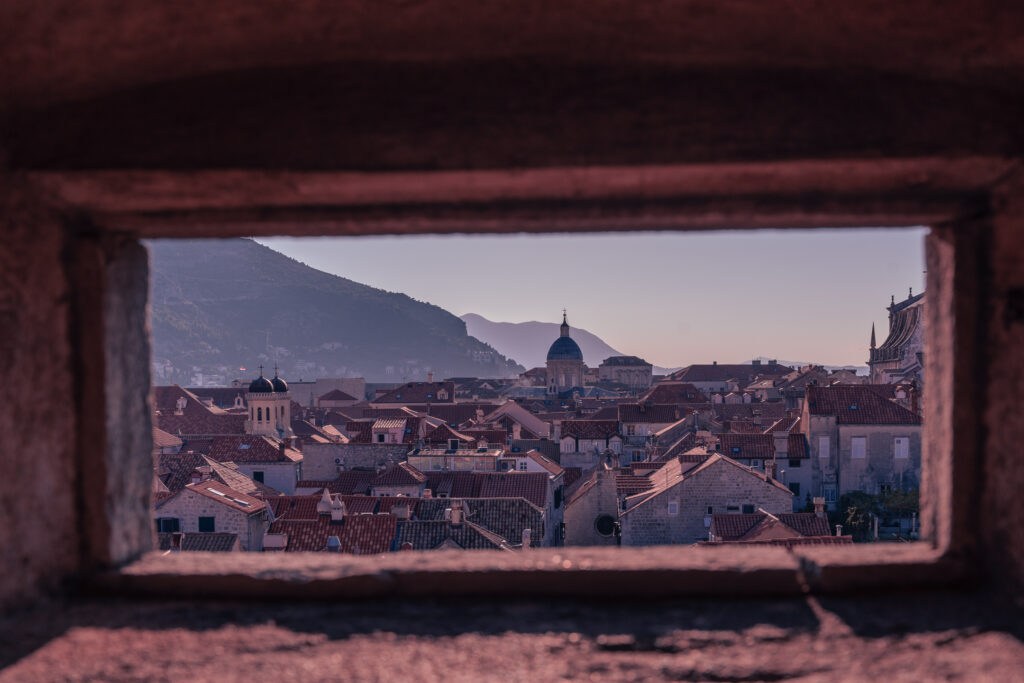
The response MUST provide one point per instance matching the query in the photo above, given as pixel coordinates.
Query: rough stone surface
(915, 637)
(38, 503)
(1002, 472)
(128, 485)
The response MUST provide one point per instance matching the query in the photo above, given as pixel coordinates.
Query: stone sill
(626, 573)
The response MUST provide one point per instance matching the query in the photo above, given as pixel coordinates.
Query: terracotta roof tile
(590, 429)
(673, 393)
(533, 486)
(337, 395)
(402, 474)
(419, 392)
(748, 446)
(649, 414)
(251, 449)
(357, 534)
(431, 535)
(721, 372)
(205, 542)
(857, 404)
(228, 496)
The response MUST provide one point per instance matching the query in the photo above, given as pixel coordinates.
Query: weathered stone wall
(718, 486)
(581, 515)
(281, 476)
(321, 462)
(189, 506)
(879, 466)
(38, 502)
(1001, 515)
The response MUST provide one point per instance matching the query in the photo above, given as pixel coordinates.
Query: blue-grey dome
(565, 348)
(261, 385)
(280, 386)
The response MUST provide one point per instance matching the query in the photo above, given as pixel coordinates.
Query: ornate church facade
(900, 358)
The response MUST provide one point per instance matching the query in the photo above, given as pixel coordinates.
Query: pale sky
(672, 298)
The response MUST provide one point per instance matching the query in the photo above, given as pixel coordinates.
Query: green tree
(855, 511)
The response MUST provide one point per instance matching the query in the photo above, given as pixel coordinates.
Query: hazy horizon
(672, 298)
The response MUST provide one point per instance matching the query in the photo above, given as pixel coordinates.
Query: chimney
(176, 539)
(517, 431)
(839, 529)
(526, 538)
(406, 546)
(427, 493)
(337, 510)
(333, 544)
(323, 506)
(430, 377)
(456, 513)
(819, 507)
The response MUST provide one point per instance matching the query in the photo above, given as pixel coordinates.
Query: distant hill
(528, 342)
(219, 305)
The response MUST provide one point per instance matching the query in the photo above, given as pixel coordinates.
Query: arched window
(259, 414)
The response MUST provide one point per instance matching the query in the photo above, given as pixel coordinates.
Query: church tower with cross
(270, 407)
(565, 368)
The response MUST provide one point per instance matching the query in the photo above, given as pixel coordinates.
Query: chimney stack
(337, 510)
(839, 529)
(526, 538)
(430, 377)
(323, 506)
(819, 506)
(456, 513)
(333, 544)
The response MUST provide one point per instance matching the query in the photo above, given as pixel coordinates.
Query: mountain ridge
(221, 305)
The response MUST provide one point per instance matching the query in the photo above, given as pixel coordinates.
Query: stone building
(261, 458)
(631, 371)
(270, 407)
(860, 439)
(210, 506)
(565, 368)
(900, 358)
(678, 509)
(583, 442)
(592, 510)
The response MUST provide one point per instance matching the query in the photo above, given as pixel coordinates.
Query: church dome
(261, 385)
(280, 386)
(564, 347)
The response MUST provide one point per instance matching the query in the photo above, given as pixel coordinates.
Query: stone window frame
(954, 197)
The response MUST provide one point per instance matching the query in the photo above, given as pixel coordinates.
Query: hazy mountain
(528, 342)
(218, 305)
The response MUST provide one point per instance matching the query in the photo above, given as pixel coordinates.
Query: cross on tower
(261, 370)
